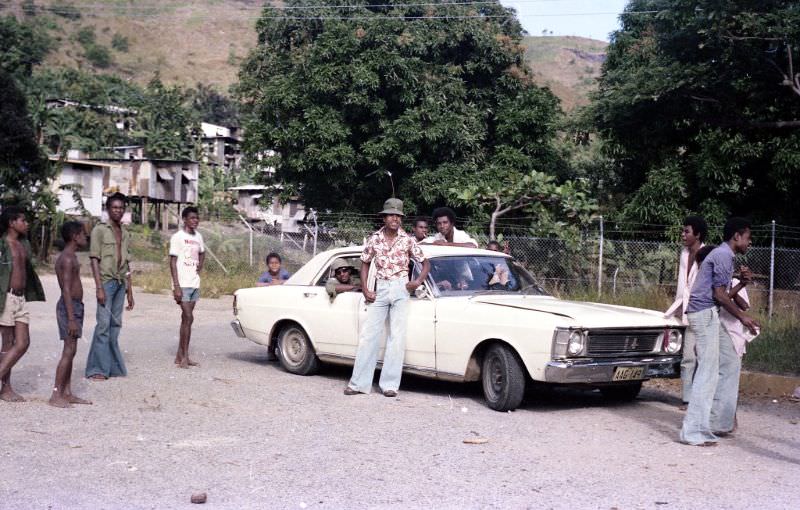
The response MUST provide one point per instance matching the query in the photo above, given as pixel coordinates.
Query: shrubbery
(99, 56)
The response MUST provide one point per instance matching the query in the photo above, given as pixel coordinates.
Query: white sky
(569, 17)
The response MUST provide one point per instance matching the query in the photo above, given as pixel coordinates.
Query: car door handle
(309, 294)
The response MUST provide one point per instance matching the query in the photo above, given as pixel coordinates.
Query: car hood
(582, 314)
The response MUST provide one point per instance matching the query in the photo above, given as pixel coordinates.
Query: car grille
(621, 342)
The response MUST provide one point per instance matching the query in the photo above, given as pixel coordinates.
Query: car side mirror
(421, 292)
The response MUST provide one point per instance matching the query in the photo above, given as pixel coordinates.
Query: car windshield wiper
(526, 289)
(491, 291)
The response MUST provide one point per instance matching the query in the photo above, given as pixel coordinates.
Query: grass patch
(651, 298)
(777, 349)
(213, 284)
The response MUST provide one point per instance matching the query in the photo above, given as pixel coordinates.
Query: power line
(165, 5)
(145, 12)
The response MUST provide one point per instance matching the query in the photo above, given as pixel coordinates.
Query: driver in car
(342, 279)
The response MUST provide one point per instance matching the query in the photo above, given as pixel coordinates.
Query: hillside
(187, 42)
(204, 41)
(570, 66)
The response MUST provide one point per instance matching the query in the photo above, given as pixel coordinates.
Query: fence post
(316, 230)
(251, 238)
(600, 261)
(771, 271)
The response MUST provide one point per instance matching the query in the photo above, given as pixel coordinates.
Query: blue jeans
(715, 389)
(105, 358)
(688, 365)
(392, 302)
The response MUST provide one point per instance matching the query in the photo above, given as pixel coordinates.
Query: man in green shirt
(109, 255)
(18, 285)
(342, 279)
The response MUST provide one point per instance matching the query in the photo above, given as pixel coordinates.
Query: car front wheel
(503, 378)
(295, 351)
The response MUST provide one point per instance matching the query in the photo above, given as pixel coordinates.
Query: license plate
(628, 373)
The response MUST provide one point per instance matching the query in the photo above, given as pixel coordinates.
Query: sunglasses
(341, 270)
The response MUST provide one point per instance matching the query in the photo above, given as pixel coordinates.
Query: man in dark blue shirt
(715, 390)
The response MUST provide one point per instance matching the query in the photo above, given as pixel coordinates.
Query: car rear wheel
(295, 351)
(503, 378)
(621, 392)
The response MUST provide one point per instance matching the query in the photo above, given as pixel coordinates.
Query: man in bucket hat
(342, 279)
(390, 249)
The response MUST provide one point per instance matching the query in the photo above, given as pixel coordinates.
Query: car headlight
(673, 341)
(575, 345)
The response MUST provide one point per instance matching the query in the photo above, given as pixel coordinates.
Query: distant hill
(186, 42)
(570, 66)
(204, 41)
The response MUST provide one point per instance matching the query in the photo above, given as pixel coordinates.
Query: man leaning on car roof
(390, 249)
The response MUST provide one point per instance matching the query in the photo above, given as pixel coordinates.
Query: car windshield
(466, 275)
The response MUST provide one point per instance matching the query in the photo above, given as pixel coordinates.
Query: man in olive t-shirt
(108, 252)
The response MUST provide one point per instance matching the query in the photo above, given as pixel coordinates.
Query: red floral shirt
(391, 256)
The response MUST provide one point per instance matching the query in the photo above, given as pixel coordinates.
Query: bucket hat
(393, 206)
(340, 263)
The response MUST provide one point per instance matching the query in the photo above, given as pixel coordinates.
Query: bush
(120, 43)
(86, 36)
(99, 56)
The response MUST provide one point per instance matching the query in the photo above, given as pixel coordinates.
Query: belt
(18, 293)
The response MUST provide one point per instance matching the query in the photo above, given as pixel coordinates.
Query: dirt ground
(253, 436)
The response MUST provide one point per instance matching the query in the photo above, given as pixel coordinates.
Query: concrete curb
(768, 385)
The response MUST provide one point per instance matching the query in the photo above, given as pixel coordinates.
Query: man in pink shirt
(391, 250)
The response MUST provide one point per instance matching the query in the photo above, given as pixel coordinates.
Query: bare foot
(177, 360)
(98, 377)
(10, 395)
(77, 400)
(193, 363)
(57, 401)
(184, 364)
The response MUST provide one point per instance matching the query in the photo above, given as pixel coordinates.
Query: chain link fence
(624, 267)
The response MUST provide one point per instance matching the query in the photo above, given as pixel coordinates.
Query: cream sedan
(479, 316)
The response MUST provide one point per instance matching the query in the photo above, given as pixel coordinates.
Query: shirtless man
(69, 312)
(18, 285)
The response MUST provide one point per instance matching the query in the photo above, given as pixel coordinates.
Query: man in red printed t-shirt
(390, 249)
(187, 253)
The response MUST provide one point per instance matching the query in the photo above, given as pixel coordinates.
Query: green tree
(22, 46)
(99, 56)
(558, 209)
(24, 171)
(209, 105)
(91, 126)
(437, 103)
(699, 103)
(164, 123)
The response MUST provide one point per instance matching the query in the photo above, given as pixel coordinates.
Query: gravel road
(253, 436)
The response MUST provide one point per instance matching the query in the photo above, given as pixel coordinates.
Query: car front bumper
(602, 371)
(237, 328)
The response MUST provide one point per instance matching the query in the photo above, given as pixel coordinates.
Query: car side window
(354, 262)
